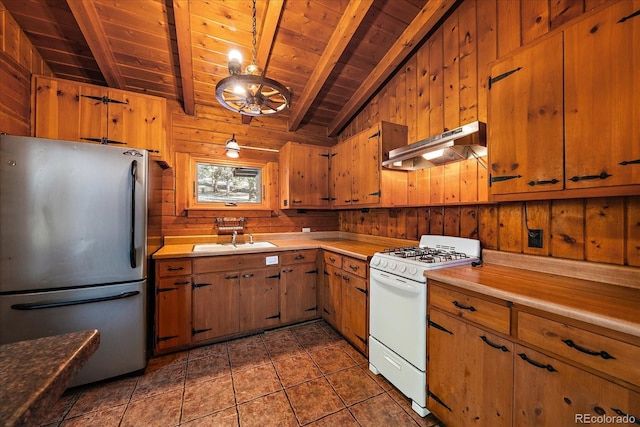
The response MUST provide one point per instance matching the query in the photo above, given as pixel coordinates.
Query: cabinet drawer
(355, 266)
(298, 257)
(172, 283)
(600, 352)
(174, 267)
(332, 258)
(478, 310)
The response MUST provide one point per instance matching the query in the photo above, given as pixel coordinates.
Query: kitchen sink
(224, 247)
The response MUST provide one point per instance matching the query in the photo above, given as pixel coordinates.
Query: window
(218, 183)
(205, 183)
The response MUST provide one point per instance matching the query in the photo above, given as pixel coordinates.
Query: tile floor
(303, 375)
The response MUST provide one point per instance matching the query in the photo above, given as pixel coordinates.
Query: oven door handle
(395, 282)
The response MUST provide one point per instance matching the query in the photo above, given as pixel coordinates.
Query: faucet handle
(250, 238)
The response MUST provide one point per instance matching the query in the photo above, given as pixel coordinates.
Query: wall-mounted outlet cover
(306, 230)
(535, 238)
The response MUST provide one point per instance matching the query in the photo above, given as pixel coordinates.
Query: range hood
(453, 145)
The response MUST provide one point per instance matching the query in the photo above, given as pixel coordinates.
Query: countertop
(611, 306)
(350, 244)
(34, 373)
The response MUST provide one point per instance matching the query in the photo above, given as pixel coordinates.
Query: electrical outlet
(535, 238)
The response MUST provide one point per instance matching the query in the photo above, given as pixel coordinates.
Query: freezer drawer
(117, 311)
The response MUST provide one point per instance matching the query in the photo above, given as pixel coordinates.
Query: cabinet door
(173, 313)
(137, 121)
(259, 298)
(526, 120)
(332, 297)
(354, 310)
(298, 292)
(308, 176)
(341, 165)
(216, 305)
(365, 181)
(69, 111)
(550, 392)
(602, 80)
(470, 374)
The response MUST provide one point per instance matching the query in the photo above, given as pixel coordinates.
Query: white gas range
(398, 309)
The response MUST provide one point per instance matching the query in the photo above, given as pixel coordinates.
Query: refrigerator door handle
(41, 305)
(132, 244)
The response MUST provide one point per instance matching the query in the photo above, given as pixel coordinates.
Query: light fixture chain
(254, 34)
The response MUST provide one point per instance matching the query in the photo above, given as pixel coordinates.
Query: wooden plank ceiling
(333, 54)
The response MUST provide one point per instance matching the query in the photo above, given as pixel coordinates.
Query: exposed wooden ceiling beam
(86, 15)
(424, 21)
(268, 33)
(183, 35)
(344, 32)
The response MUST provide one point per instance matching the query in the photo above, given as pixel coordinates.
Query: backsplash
(599, 230)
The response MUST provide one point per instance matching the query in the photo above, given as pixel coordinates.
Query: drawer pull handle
(299, 257)
(346, 278)
(464, 307)
(175, 268)
(354, 267)
(622, 414)
(440, 328)
(537, 364)
(602, 354)
(496, 346)
(332, 259)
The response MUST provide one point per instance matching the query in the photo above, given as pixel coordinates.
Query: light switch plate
(272, 260)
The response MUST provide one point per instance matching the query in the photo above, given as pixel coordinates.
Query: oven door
(398, 316)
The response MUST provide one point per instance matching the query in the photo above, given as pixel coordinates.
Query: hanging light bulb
(250, 93)
(233, 149)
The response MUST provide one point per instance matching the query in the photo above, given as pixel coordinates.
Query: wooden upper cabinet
(357, 177)
(68, 110)
(86, 113)
(304, 176)
(341, 171)
(365, 181)
(526, 120)
(602, 72)
(137, 120)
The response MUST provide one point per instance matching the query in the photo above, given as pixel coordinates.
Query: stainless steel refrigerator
(73, 247)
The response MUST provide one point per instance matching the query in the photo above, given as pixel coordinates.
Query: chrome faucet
(233, 238)
(250, 239)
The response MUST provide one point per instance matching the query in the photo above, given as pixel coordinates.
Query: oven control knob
(413, 271)
(402, 267)
(393, 265)
(375, 261)
(384, 263)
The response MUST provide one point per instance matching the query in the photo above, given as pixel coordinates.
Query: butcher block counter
(351, 244)
(519, 280)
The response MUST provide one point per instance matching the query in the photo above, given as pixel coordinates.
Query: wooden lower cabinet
(345, 298)
(481, 376)
(470, 373)
(552, 393)
(216, 305)
(298, 292)
(354, 310)
(332, 296)
(173, 313)
(259, 298)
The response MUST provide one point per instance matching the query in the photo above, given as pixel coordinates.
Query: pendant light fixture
(249, 92)
(233, 149)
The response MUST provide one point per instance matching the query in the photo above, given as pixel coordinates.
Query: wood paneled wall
(206, 134)
(18, 60)
(442, 86)
(600, 229)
